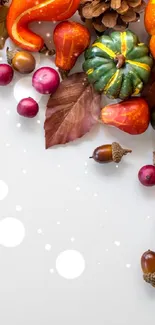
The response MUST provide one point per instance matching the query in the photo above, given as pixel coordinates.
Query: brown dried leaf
(149, 89)
(71, 111)
(148, 94)
(123, 8)
(140, 8)
(115, 4)
(110, 19)
(129, 16)
(3, 30)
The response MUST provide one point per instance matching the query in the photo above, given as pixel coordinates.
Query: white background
(71, 233)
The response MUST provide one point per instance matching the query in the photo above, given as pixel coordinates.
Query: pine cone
(116, 14)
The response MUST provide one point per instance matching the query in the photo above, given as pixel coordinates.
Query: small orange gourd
(70, 39)
(23, 12)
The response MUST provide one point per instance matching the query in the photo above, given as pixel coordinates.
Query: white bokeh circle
(70, 264)
(12, 232)
(23, 89)
(3, 190)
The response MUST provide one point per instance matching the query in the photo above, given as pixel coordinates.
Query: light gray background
(66, 195)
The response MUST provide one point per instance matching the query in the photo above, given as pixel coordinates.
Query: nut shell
(23, 62)
(148, 262)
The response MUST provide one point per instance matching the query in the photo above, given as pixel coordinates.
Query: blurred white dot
(51, 271)
(7, 145)
(48, 247)
(116, 166)
(105, 211)
(18, 208)
(38, 121)
(117, 243)
(48, 34)
(58, 222)
(78, 188)
(58, 166)
(86, 164)
(24, 171)
(39, 231)
(70, 264)
(128, 265)
(23, 89)
(12, 232)
(8, 112)
(95, 194)
(3, 190)
(107, 250)
(148, 217)
(99, 263)
(18, 125)
(24, 150)
(72, 239)
(67, 210)
(39, 22)
(86, 172)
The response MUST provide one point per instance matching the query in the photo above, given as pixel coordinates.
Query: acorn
(148, 267)
(109, 152)
(22, 61)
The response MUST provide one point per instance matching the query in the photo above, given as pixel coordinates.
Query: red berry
(28, 107)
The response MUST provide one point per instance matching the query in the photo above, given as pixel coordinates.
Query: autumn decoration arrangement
(117, 65)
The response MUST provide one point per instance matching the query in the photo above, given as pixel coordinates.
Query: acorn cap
(149, 278)
(118, 152)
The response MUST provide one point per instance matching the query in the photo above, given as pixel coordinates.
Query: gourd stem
(10, 54)
(63, 73)
(120, 60)
(46, 51)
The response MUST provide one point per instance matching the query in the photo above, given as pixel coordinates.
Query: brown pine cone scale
(116, 14)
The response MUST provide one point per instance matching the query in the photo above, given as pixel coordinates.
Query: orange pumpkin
(149, 21)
